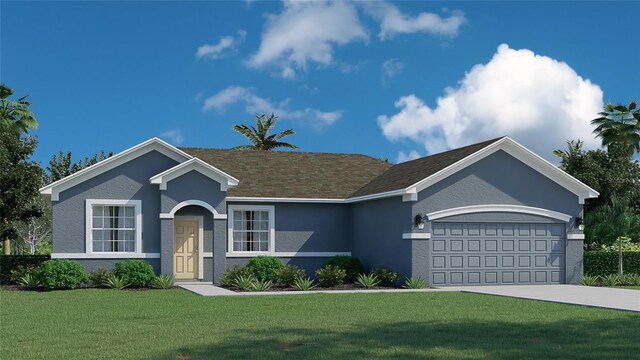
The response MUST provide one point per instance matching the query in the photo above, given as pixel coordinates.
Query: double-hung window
(114, 226)
(251, 228)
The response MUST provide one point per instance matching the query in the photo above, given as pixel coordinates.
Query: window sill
(120, 255)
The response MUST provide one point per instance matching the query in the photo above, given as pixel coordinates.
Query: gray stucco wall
(127, 181)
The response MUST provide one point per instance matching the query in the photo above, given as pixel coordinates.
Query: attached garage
(496, 253)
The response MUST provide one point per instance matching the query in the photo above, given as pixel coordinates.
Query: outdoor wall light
(580, 223)
(419, 222)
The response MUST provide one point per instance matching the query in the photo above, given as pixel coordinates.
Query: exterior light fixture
(419, 222)
(580, 223)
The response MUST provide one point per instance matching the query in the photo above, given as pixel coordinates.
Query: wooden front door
(185, 253)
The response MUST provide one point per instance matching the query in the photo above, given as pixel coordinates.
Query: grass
(634, 287)
(175, 324)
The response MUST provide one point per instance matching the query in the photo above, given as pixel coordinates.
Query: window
(251, 228)
(113, 226)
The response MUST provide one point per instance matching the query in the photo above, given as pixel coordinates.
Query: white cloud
(538, 101)
(256, 104)
(174, 136)
(306, 32)
(225, 46)
(393, 21)
(390, 69)
(404, 157)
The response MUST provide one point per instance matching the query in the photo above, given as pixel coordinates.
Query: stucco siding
(193, 186)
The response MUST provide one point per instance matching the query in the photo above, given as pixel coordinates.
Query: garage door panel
(497, 253)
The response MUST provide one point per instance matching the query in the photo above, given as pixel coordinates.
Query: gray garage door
(497, 253)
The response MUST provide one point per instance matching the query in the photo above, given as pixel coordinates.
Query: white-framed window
(251, 229)
(114, 226)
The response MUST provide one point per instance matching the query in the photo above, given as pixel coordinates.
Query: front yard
(175, 324)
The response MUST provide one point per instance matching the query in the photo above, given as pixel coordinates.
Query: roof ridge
(489, 142)
(285, 152)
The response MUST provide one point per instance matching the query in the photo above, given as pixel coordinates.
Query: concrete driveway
(621, 299)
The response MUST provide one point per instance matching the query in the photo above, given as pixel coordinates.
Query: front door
(185, 253)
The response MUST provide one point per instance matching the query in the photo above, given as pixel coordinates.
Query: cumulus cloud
(255, 104)
(404, 157)
(390, 69)
(225, 46)
(393, 21)
(306, 32)
(173, 136)
(537, 100)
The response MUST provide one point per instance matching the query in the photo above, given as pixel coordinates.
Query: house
(488, 213)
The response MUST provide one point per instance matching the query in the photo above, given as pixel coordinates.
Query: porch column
(166, 246)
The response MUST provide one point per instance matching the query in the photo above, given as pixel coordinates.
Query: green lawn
(629, 287)
(175, 324)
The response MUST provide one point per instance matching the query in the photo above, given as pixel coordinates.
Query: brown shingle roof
(292, 174)
(405, 174)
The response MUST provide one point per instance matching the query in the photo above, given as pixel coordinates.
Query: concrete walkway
(611, 298)
(206, 289)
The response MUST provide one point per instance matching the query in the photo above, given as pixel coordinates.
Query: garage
(497, 253)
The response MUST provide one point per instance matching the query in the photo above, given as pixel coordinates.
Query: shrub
(414, 283)
(611, 280)
(136, 273)
(30, 281)
(627, 280)
(61, 274)
(261, 285)
(163, 282)
(230, 276)
(386, 276)
(9, 263)
(603, 263)
(590, 280)
(244, 283)
(288, 275)
(351, 265)
(304, 284)
(98, 277)
(636, 280)
(265, 267)
(330, 275)
(367, 281)
(20, 272)
(115, 282)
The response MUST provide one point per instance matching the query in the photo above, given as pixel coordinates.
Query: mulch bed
(318, 288)
(43, 289)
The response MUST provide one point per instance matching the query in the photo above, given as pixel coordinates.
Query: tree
(16, 113)
(35, 232)
(619, 124)
(574, 150)
(613, 221)
(61, 165)
(261, 136)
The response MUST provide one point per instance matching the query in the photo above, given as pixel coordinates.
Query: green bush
(61, 274)
(163, 282)
(244, 283)
(611, 280)
(115, 282)
(30, 281)
(20, 272)
(304, 284)
(98, 277)
(136, 273)
(265, 267)
(230, 276)
(330, 275)
(414, 283)
(603, 263)
(8, 263)
(386, 276)
(590, 280)
(367, 281)
(288, 275)
(351, 265)
(261, 285)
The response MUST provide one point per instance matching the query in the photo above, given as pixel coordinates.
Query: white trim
(105, 256)
(200, 221)
(272, 229)
(498, 208)
(89, 223)
(205, 205)
(415, 236)
(289, 254)
(54, 189)
(225, 180)
(207, 254)
(285, 200)
(575, 236)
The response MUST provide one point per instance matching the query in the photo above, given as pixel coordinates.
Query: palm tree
(16, 113)
(260, 135)
(619, 124)
(574, 149)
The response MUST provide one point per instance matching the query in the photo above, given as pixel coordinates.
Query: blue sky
(391, 80)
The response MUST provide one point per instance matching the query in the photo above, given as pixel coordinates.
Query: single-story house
(488, 213)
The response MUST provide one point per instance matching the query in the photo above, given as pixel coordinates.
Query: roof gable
(198, 165)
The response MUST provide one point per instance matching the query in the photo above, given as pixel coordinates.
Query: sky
(393, 80)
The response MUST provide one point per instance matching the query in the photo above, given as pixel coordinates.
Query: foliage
(330, 275)
(627, 245)
(619, 125)
(61, 165)
(244, 283)
(19, 272)
(287, 275)
(163, 282)
(12, 262)
(115, 282)
(603, 263)
(136, 273)
(230, 276)
(34, 235)
(611, 280)
(628, 280)
(29, 280)
(15, 113)
(610, 221)
(99, 277)
(304, 284)
(61, 274)
(367, 281)
(636, 279)
(261, 285)
(590, 280)
(350, 264)
(261, 136)
(265, 267)
(386, 275)
(414, 283)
